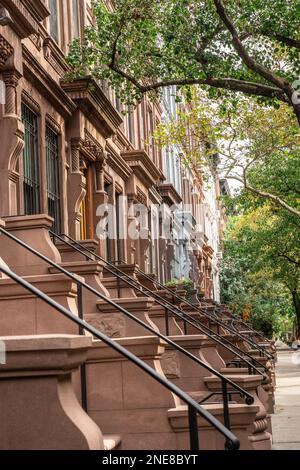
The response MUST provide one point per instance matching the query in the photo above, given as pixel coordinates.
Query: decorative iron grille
(31, 179)
(53, 186)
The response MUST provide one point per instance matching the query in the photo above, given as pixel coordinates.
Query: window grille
(31, 180)
(53, 186)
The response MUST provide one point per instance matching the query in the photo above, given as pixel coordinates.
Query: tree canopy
(248, 46)
(256, 145)
(260, 272)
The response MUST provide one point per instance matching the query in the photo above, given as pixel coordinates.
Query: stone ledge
(144, 347)
(43, 354)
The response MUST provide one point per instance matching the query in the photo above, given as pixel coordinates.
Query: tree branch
(291, 260)
(251, 63)
(284, 40)
(271, 197)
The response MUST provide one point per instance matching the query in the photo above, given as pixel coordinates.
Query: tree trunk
(296, 302)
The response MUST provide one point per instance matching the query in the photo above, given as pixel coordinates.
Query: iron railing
(252, 363)
(225, 382)
(231, 441)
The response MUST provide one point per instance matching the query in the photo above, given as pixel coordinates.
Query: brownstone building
(69, 156)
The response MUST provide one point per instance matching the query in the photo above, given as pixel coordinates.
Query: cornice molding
(89, 148)
(51, 122)
(155, 196)
(26, 15)
(169, 194)
(142, 166)
(29, 101)
(55, 57)
(89, 97)
(52, 91)
(117, 163)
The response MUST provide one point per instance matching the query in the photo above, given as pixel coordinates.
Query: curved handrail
(232, 441)
(202, 311)
(163, 302)
(248, 397)
(183, 300)
(238, 319)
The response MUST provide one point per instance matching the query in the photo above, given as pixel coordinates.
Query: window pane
(31, 184)
(53, 19)
(75, 18)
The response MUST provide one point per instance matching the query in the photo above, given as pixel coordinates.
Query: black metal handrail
(231, 443)
(224, 380)
(183, 300)
(120, 275)
(214, 317)
(165, 288)
(203, 312)
(238, 319)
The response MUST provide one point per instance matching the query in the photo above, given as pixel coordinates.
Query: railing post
(167, 321)
(118, 287)
(184, 327)
(226, 410)
(225, 404)
(193, 428)
(81, 332)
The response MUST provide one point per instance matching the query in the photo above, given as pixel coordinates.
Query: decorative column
(76, 189)
(100, 197)
(11, 79)
(131, 221)
(12, 143)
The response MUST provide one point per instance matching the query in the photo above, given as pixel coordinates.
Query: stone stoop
(116, 324)
(33, 230)
(241, 419)
(91, 272)
(38, 405)
(115, 286)
(25, 314)
(122, 397)
(259, 436)
(157, 315)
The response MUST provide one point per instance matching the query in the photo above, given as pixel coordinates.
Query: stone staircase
(132, 411)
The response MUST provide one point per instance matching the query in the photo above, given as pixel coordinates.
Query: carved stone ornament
(6, 51)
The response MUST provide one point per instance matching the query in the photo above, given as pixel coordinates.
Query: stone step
(111, 442)
(241, 420)
(199, 396)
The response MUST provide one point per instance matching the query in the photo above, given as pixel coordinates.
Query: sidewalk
(286, 420)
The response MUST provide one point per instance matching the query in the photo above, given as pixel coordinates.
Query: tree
(247, 46)
(258, 146)
(261, 267)
(256, 297)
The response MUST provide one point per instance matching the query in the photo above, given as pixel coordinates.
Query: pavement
(286, 420)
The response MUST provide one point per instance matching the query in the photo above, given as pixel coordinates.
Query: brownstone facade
(68, 148)
(69, 157)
